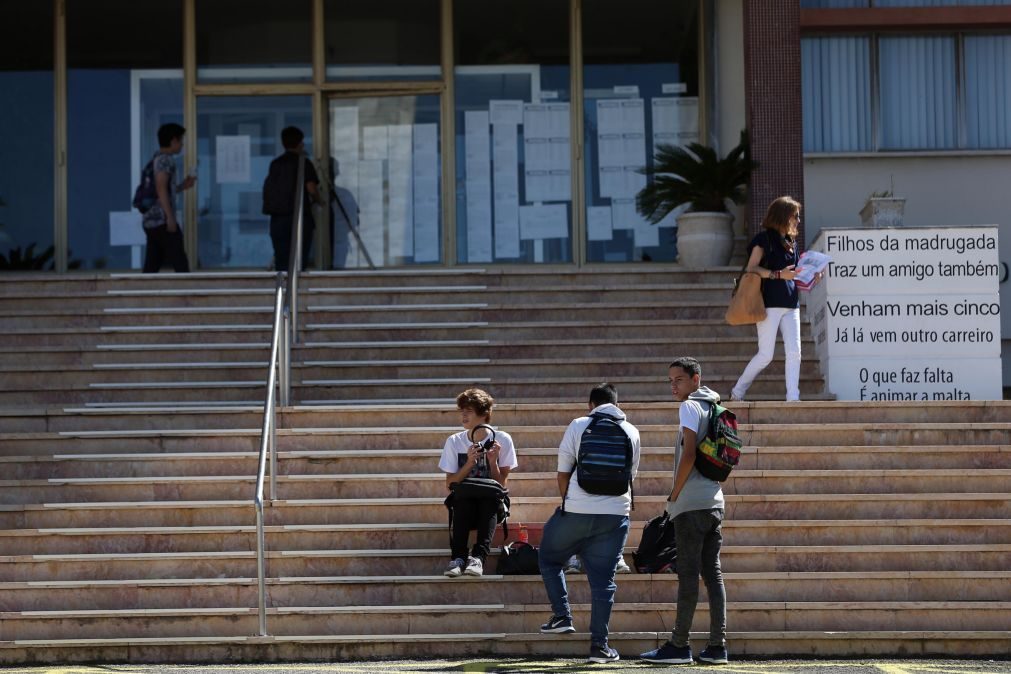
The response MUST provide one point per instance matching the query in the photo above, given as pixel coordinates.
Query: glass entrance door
(238, 136)
(385, 179)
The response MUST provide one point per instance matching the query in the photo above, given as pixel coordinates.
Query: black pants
(165, 246)
(280, 236)
(473, 513)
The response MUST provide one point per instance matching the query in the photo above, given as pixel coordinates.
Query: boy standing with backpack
(279, 190)
(597, 461)
(155, 198)
(696, 506)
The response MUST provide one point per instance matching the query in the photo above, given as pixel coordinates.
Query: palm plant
(695, 175)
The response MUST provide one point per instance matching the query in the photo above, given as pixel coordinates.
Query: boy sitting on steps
(461, 459)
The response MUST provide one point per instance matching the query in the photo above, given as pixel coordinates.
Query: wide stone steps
(507, 416)
(535, 460)
(380, 590)
(406, 535)
(330, 648)
(173, 513)
(405, 562)
(522, 484)
(657, 348)
(507, 618)
(652, 435)
(99, 375)
(976, 440)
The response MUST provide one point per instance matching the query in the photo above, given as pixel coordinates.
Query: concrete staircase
(127, 518)
(128, 535)
(391, 336)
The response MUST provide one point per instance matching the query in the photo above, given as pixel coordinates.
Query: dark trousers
(280, 236)
(473, 513)
(165, 246)
(699, 540)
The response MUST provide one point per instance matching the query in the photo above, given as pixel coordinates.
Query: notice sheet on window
(426, 192)
(505, 159)
(232, 160)
(675, 121)
(546, 151)
(478, 188)
(401, 191)
(372, 219)
(544, 221)
(598, 223)
(621, 146)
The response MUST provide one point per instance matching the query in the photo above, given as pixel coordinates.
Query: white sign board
(909, 313)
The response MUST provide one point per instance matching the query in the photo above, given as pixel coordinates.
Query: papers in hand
(811, 263)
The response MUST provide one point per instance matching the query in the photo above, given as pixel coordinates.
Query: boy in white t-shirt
(461, 459)
(696, 507)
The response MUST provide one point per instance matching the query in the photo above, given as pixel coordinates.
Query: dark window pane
(513, 152)
(389, 40)
(117, 33)
(254, 40)
(26, 135)
(124, 80)
(641, 89)
(518, 31)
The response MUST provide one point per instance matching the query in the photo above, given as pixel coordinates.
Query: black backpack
(657, 551)
(146, 194)
(604, 460)
(519, 559)
(279, 187)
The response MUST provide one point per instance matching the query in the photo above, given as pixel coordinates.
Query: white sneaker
(623, 566)
(475, 567)
(573, 565)
(454, 569)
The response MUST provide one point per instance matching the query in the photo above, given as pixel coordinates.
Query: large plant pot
(705, 239)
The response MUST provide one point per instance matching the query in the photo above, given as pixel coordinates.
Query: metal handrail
(268, 447)
(295, 255)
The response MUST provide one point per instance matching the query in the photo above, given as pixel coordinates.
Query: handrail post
(295, 255)
(261, 570)
(272, 450)
(268, 442)
(285, 364)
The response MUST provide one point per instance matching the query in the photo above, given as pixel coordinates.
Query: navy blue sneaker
(669, 654)
(714, 655)
(559, 624)
(601, 653)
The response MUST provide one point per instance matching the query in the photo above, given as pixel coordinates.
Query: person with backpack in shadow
(696, 506)
(155, 198)
(477, 462)
(597, 461)
(279, 198)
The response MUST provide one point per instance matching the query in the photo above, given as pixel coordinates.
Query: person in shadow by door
(279, 198)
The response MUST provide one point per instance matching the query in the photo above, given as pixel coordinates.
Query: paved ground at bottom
(553, 666)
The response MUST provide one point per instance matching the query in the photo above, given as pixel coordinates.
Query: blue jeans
(699, 539)
(599, 541)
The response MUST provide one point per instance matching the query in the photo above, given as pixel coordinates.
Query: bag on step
(519, 559)
(657, 551)
(718, 448)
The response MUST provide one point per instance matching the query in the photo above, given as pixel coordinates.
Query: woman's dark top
(781, 294)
